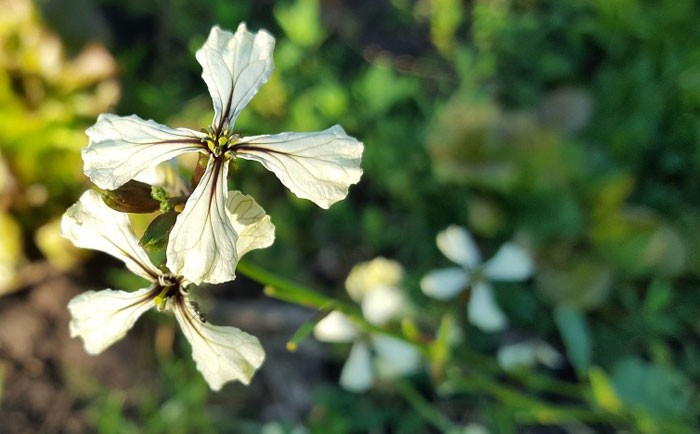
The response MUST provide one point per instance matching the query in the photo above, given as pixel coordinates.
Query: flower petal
(122, 147)
(234, 66)
(357, 374)
(511, 263)
(91, 224)
(367, 275)
(457, 244)
(483, 311)
(249, 221)
(222, 354)
(335, 327)
(316, 166)
(445, 283)
(202, 243)
(382, 303)
(101, 318)
(395, 357)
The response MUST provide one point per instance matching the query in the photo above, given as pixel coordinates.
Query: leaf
(156, 235)
(574, 331)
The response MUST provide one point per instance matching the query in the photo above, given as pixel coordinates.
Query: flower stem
(423, 407)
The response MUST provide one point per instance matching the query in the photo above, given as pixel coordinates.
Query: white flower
(372, 355)
(318, 166)
(527, 353)
(101, 318)
(511, 263)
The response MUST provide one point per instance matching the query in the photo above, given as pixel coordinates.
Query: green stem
(282, 289)
(423, 407)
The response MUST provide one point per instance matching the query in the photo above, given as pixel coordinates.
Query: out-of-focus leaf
(10, 251)
(445, 18)
(603, 391)
(637, 241)
(662, 392)
(485, 217)
(576, 281)
(301, 21)
(658, 296)
(573, 327)
(60, 252)
(381, 88)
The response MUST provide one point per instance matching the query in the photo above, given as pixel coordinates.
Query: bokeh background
(570, 127)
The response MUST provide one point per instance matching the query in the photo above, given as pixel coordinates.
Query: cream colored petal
(395, 357)
(316, 166)
(445, 283)
(357, 374)
(91, 224)
(511, 263)
(202, 243)
(483, 310)
(234, 67)
(383, 303)
(377, 272)
(249, 221)
(121, 147)
(101, 318)
(222, 354)
(335, 327)
(457, 244)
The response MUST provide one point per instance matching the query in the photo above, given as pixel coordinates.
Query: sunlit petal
(234, 66)
(511, 263)
(367, 275)
(395, 357)
(483, 311)
(91, 224)
(121, 147)
(335, 327)
(383, 303)
(101, 318)
(249, 221)
(445, 283)
(222, 354)
(317, 166)
(457, 244)
(202, 244)
(357, 374)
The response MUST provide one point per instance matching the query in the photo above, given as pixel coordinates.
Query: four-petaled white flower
(511, 263)
(374, 285)
(101, 318)
(318, 166)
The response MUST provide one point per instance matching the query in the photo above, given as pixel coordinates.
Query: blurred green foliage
(572, 127)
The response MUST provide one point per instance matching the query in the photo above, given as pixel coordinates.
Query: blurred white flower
(526, 354)
(319, 166)
(511, 263)
(101, 318)
(375, 286)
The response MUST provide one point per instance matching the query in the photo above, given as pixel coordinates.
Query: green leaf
(574, 331)
(301, 21)
(659, 391)
(156, 235)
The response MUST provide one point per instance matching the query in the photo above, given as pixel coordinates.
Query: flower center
(169, 285)
(220, 143)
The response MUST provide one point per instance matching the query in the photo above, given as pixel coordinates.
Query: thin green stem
(286, 290)
(423, 407)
